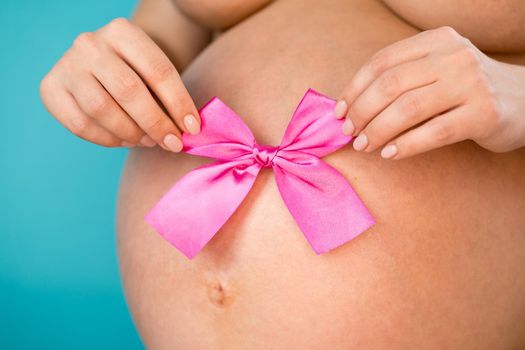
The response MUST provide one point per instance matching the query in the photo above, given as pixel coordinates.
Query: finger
(63, 107)
(388, 87)
(440, 131)
(410, 109)
(96, 102)
(150, 62)
(130, 92)
(412, 48)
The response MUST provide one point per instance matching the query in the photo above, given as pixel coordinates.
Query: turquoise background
(59, 282)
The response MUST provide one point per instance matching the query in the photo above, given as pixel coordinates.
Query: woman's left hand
(431, 90)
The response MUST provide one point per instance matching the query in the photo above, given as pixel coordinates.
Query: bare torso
(440, 269)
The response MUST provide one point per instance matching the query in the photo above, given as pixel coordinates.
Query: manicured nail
(147, 141)
(173, 143)
(191, 124)
(360, 142)
(389, 151)
(341, 107)
(348, 127)
(127, 144)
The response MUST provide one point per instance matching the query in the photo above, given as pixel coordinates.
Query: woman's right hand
(116, 87)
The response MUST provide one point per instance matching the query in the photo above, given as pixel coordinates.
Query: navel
(219, 294)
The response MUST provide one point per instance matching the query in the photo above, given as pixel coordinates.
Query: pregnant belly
(440, 269)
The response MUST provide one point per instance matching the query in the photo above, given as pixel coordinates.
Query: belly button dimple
(219, 295)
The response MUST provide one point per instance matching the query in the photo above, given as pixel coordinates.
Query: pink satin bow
(321, 201)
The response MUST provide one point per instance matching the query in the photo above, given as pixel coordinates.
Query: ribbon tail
(196, 207)
(322, 202)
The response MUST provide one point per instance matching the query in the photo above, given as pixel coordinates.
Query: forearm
(180, 38)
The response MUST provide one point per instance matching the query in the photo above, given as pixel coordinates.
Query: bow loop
(223, 134)
(314, 129)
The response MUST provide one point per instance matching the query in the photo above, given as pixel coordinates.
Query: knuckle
(79, 126)
(350, 93)
(492, 107)
(161, 70)
(112, 143)
(119, 24)
(97, 105)
(446, 32)
(108, 141)
(181, 106)
(85, 41)
(127, 86)
(443, 131)
(109, 144)
(156, 125)
(49, 86)
(130, 133)
(379, 62)
(357, 115)
(46, 84)
(67, 61)
(389, 85)
(410, 106)
(468, 55)
(491, 110)
(482, 84)
(135, 135)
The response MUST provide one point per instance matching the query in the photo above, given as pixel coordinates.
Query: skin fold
(439, 270)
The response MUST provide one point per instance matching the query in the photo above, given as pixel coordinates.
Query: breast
(220, 14)
(496, 26)
(439, 269)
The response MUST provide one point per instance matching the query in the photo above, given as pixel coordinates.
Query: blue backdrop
(59, 282)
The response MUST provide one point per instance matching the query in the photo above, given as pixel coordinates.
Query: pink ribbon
(322, 202)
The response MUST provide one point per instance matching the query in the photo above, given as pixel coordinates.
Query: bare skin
(440, 269)
(431, 90)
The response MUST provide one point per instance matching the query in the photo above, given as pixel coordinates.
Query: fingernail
(127, 144)
(191, 124)
(348, 127)
(341, 107)
(360, 142)
(389, 151)
(173, 143)
(147, 141)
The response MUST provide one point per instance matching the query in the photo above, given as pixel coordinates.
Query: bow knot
(264, 154)
(320, 199)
